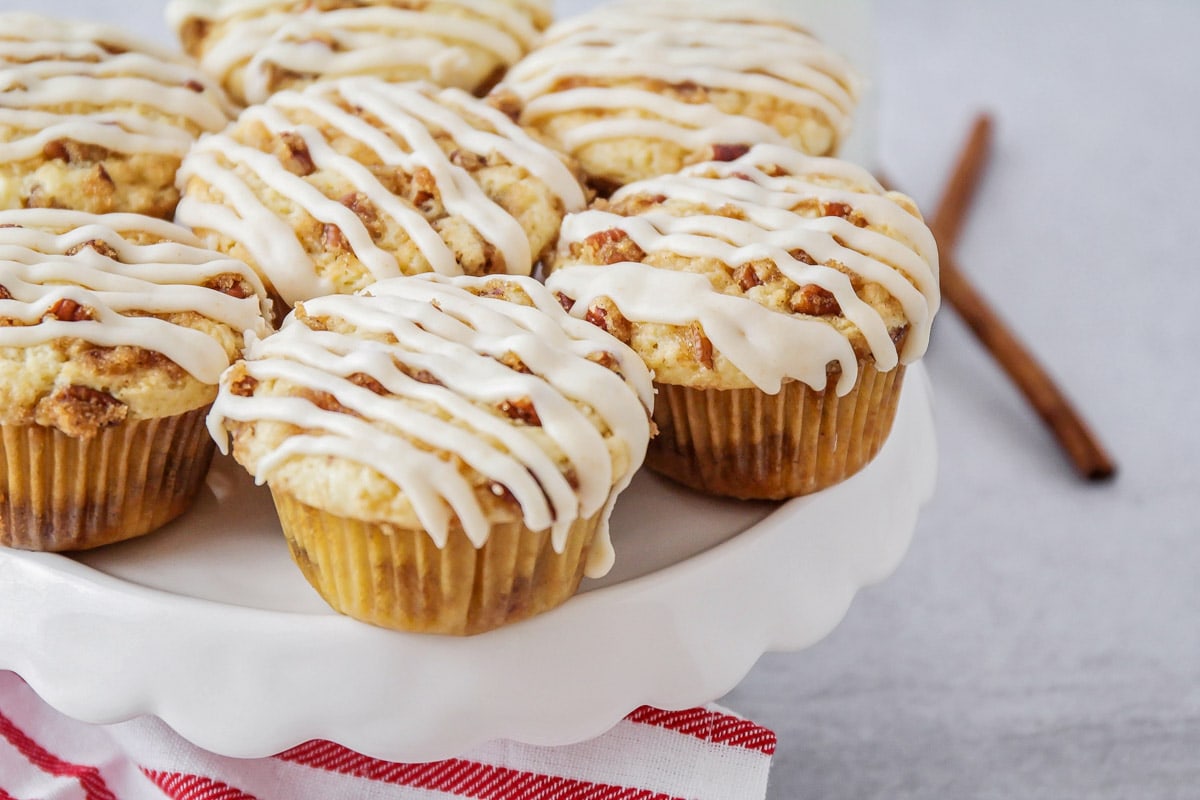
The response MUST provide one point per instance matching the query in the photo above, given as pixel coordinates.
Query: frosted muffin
(638, 89)
(443, 452)
(328, 190)
(777, 298)
(114, 330)
(259, 47)
(94, 119)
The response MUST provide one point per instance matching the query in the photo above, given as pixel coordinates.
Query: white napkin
(697, 754)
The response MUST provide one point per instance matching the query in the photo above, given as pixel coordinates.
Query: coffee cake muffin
(639, 89)
(114, 330)
(328, 190)
(94, 119)
(443, 452)
(259, 47)
(777, 298)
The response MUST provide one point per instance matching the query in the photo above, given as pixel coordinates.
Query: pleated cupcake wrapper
(399, 578)
(747, 444)
(58, 492)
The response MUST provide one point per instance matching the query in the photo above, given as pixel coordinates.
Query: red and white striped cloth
(698, 754)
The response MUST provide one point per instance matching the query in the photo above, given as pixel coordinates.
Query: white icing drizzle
(409, 110)
(51, 64)
(444, 330)
(369, 39)
(157, 279)
(903, 262)
(752, 52)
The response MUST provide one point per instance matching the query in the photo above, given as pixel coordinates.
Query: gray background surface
(1042, 638)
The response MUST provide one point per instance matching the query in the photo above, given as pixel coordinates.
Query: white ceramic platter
(208, 625)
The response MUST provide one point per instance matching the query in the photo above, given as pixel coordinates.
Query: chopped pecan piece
(611, 320)
(195, 85)
(514, 362)
(566, 302)
(4, 293)
(613, 246)
(100, 180)
(362, 206)
(418, 375)
(802, 256)
(700, 344)
(604, 359)
(507, 102)
(729, 152)
(124, 359)
(243, 386)
(837, 210)
(230, 283)
(333, 238)
(468, 160)
(99, 245)
(67, 310)
(294, 155)
(325, 401)
(424, 186)
(690, 92)
(367, 382)
(521, 409)
(813, 300)
(746, 277)
(81, 411)
(70, 151)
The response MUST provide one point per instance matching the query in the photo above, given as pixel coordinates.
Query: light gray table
(1042, 639)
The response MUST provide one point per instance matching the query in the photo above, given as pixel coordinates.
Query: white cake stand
(209, 626)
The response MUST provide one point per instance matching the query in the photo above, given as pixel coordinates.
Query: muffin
(256, 47)
(328, 190)
(114, 330)
(639, 89)
(777, 298)
(443, 452)
(95, 120)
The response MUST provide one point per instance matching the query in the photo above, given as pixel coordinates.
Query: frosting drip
(434, 327)
(96, 85)
(411, 112)
(265, 36)
(682, 45)
(903, 261)
(50, 256)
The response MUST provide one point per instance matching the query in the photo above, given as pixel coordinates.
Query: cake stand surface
(209, 626)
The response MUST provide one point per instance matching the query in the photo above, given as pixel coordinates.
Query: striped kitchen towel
(697, 754)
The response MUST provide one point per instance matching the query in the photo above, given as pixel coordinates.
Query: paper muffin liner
(399, 578)
(747, 444)
(59, 492)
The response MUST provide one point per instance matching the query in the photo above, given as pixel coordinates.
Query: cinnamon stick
(1073, 434)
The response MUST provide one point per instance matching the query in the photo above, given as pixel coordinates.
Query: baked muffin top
(637, 89)
(330, 189)
(775, 266)
(104, 317)
(259, 47)
(94, 119)
(442, 401)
